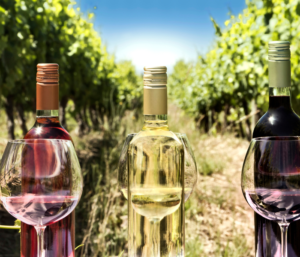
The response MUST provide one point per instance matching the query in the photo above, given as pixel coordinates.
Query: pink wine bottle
(59, 237)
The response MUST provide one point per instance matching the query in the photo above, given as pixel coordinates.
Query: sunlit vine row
(234, 73)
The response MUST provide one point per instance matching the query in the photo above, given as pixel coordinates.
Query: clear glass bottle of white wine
(156, 178)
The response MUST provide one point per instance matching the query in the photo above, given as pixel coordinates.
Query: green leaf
(298, 9)
(2, 9)
(17, 223)
(217, 27)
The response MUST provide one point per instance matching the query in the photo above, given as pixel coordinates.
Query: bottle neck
(46, 113)
(155, 122)
(279, 97)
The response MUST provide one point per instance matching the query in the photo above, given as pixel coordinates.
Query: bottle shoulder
(162, 136)
(281, 122)
(48, 129)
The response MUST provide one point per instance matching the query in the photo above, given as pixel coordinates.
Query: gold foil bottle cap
(155, 76)
(279, 51)
(155, 90)
(47, 89)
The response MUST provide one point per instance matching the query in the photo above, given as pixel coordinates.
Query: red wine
(59, 237)
(275, 204)
(41, 210)
(280, 120)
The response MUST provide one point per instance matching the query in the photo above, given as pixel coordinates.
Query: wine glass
(271, 181)
(40, 182)
(155, 179)
(137, 237)
(190, 172)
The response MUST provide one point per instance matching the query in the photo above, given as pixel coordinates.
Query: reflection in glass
(271, 181)
(40, 182)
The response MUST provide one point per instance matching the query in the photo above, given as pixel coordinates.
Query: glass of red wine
(271, 181)
(40, 182)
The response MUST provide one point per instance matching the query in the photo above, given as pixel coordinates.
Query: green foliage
(130, 91)
(120, 255)
(96, 89)
(77, 247)
(194, 248)
(100, 213)
(208, 166)
(52, 31)
(235, 71)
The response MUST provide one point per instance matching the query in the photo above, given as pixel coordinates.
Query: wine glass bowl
(39, 210)
(40, 181)
(157, 169)
(190, 166)
(190, 172)
(271, 180)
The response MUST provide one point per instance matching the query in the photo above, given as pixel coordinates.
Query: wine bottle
(59, 237)
(155, 157)
(279, 120)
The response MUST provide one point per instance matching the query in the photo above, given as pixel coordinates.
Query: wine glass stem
(155, 237)
(40, 240)
(284, 228)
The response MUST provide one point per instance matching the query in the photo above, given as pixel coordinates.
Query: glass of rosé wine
(271, 181)
(40, 182)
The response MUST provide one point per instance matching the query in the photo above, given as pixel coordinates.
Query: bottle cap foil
(279, 64)
(47, 86)
(155, 90)
(279, 51)
(155, 76)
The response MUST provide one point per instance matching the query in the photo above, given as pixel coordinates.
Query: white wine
(187, 192)
(155, 203)
(155, 157)
(156, 190)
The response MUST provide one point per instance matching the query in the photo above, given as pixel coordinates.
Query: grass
(194, 248)
(207, 165)
(218, 221)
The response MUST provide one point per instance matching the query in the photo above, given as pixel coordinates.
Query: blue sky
(158, 32)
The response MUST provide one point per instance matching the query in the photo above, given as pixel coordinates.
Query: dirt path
(219, 219)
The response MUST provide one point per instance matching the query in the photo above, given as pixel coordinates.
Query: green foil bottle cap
(279, 64)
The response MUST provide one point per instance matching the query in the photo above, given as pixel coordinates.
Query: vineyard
(216, 100)
(95, 92)
(227, 89)
(52, 31)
